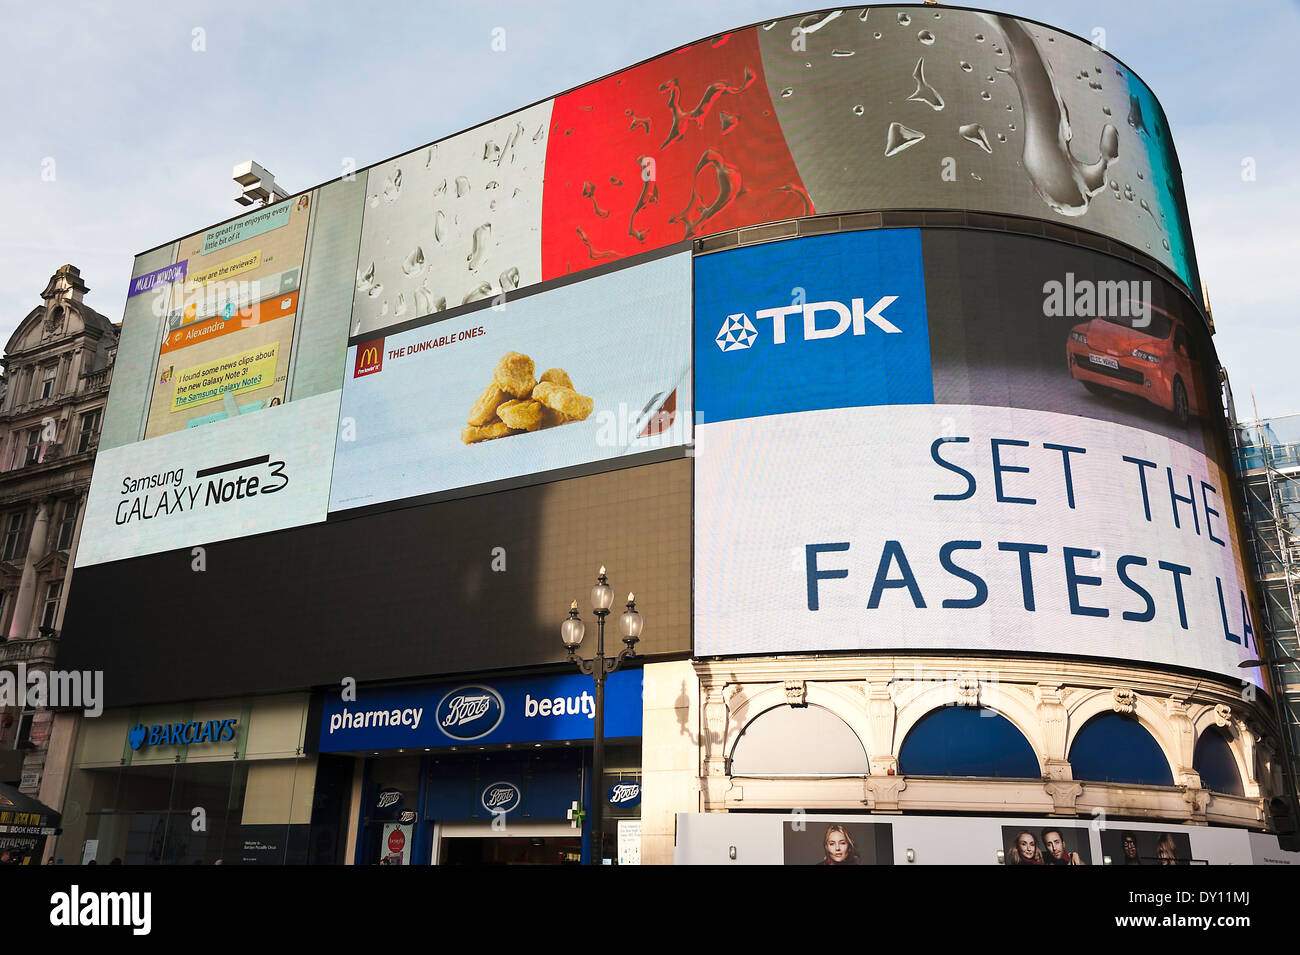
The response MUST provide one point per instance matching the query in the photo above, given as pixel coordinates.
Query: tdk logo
(738, 332)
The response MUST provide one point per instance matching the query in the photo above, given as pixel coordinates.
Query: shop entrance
(536, 850)
(523, 843)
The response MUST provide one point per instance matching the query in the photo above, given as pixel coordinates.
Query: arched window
(967, 741)
(1213, 759)
(1116, 748)
(798, 741)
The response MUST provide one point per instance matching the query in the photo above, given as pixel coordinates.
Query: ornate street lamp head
(572, 629)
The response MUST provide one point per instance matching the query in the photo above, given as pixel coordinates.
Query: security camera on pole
(571, 632)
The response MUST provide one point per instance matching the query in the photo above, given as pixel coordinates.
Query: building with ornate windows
(57, 367)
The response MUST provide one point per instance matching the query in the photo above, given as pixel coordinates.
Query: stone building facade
(57, 368)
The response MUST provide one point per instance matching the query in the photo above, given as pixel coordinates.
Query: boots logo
(624, 794)
(501, 797)
(739, 333)
(470, 712)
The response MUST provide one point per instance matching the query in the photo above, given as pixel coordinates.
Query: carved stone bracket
(1124, 700)
(968, 690)
(1064, 792)
(1198, 800)
(796, 692)
(1222, 714)
(884, 792)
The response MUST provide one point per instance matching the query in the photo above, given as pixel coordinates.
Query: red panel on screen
(699, 122)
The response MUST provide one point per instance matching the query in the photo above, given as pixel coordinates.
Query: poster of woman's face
(823, 842)
(1046, 845)
(1132, 847)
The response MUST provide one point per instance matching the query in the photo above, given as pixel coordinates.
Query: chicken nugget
(551, 418)
(485, 409)
(564, 400)
(557, 376)
(514, 374)
(497, 429)
(521, 415)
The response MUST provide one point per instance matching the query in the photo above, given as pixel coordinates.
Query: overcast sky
(143, 129)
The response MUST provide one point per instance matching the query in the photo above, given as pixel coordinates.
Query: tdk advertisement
(833, 321)
(534, 709)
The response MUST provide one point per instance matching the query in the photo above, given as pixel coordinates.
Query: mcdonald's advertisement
(566, 377)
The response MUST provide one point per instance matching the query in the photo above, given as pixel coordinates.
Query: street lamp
(571, 632)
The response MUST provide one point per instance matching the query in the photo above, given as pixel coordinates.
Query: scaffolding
(1267, 458)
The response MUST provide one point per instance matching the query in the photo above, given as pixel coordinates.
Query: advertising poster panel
(818, 842)
(1048, 844)
(586, 372)
(1010, 469)
(1146, 847)
(234, 434)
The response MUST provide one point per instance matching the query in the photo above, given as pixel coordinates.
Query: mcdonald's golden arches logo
(370, 358)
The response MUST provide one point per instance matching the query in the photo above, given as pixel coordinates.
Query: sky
(124, 122)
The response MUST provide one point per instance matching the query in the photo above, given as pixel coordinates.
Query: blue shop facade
(486, 771)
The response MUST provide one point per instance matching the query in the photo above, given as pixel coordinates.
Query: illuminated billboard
(839, 112)
(453, 223)
(226, 387)
(228, 336)
(961, 441)
(586, 372)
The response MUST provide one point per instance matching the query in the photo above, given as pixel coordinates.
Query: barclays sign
(181, 734)
(470, 712)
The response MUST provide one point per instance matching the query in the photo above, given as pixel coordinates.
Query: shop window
(144, 815)
(1213, 759)
(967, 741)
(798, 741)
(1118, 749)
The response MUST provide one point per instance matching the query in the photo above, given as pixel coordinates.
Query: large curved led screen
(858, 109)
(947, 439)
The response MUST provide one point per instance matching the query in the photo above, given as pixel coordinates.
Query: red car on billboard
(1151, 356)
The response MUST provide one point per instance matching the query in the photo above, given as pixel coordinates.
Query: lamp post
(598, 667)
